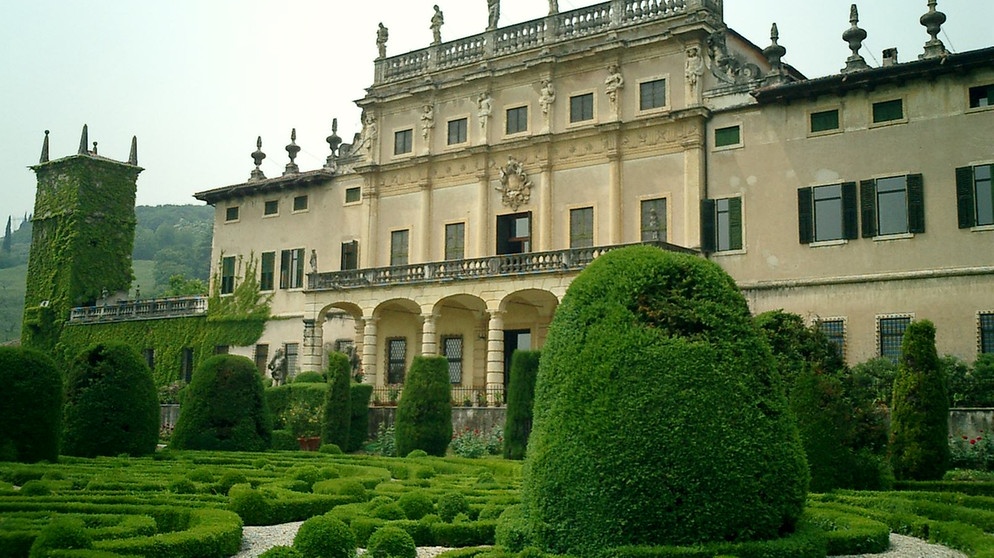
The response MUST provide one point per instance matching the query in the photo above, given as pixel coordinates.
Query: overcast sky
(198, 80)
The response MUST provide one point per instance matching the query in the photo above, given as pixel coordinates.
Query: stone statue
(427, 121)
(277, 367)
(368, 136)
(613, 83)
(485, 107)
(694, 69)
(436, 26)
(314, 261)
(547, 96)
(493, 9)
(553, 7)
(382, 34)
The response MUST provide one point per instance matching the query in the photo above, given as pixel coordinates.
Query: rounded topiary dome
(659, 415)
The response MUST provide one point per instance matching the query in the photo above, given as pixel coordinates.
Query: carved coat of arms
(514, 184)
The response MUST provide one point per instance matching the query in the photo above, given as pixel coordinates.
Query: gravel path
(256, 540)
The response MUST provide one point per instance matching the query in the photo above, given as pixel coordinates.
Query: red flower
(964, 437)
(972, 442)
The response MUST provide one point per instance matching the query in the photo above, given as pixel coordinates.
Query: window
(517, 120)
(292, 269)
(888, 111)
(725, 137)
(403, 142)
(581, 107)
(581, 227)
(835, 331)
(149, 355)
(452, 349)
(457, 131)
(826, 213)
(227, 275)
(350, 255)
(396, 360)
(353, 195)
(824, 121)
(986, 332)
(186, 364)
(721, 225)
(892, 205)
(271, 207)
(231, 213)
(652, 94)
(267, 275)
(300, 203)
(292, 352)
(514, 233)
(982, 96)
(891, 331)
(975, 196)
(653, 220)
(262, 358)
(455, 241)
(398, 247)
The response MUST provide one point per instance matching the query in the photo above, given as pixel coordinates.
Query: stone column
(495, 354)
(424, 223)
(482, 228)
(429, 339)
(357, 340)
(545, 210)
(313, 346)
(367, 240)
(695, 181)
(369, 351)
(614, 205)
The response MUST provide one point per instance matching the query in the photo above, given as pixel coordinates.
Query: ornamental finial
(258, 156)
(855, 37)
(44, 149)
(933, 21)
(292, 149)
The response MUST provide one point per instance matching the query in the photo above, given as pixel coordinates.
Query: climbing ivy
(82, 238)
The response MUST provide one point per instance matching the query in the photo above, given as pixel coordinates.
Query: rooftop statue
(493, 9)
(382, 34)
(436, 26)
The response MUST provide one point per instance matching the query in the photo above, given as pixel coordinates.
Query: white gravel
(256, 540)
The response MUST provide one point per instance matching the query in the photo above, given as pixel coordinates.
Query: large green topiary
(919, 426)
(391, 542)
(359, 422)
(659, 415)
(424, 415)
(520, 397)
(32, 392)
(112, 406)
(325, 536)
(337, 402)
(224, 408)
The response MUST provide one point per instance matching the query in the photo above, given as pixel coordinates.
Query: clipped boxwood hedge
(32, 392)
(656, 388)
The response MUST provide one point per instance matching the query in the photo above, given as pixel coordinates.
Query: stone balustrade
(574, 259)
(151, 309)
(521, 37)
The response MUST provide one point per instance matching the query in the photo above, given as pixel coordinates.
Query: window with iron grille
(891, 331)
(292, 353)
(653, 220)
(835, 332)
(396, 360)
(987, 332)
(452, 349)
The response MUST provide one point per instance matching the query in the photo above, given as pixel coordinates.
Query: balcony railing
(563, 26)
(506, 265)
(150, 309)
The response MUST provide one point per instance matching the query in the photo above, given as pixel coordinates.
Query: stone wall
(970, 422)
(483, 419)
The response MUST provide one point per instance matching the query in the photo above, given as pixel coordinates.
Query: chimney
(890, 56)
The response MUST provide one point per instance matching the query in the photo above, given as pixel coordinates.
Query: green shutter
(805, 216)
(868, 207)
(735, 223)
(965, 202)
(708, 232)
(850, 211)
(916, 204)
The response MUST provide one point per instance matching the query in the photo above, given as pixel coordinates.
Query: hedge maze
(194, 504)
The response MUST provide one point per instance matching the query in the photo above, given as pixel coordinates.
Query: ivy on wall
(82, 238)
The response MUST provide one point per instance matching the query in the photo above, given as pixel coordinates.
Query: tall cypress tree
(6, 237)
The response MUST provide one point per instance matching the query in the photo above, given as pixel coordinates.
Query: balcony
(507, 265)
(151, 309)
(564, 26)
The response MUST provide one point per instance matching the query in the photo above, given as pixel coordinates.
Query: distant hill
(169, 240)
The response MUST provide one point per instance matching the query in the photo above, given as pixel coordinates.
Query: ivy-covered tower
(82, 236)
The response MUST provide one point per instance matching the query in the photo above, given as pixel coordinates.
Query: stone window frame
(981, 338)
(232, 214)
(969, 90)
(528, 120)
(592, 94)
(874, 102)
(445, 239)
(843, 347)
(667, 197)
(667, 95)
(569, 223)
(966, 196)
(399, 133)
(821, 110)
(358, 190)
(227, 277)
(910, 316)
(448, 135)
(848, 217)
(271, 286)
(267, 205)
(305, 208)
(738, 200)
(730, 146)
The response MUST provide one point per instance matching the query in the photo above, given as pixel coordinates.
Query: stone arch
(341, 330)
(461, 331)
(398, 338)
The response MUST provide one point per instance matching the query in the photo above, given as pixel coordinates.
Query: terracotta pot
(309, 443)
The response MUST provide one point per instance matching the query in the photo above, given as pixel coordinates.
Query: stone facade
(623, 122)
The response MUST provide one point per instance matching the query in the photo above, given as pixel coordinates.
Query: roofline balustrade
(150, 309)
(504, 265)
